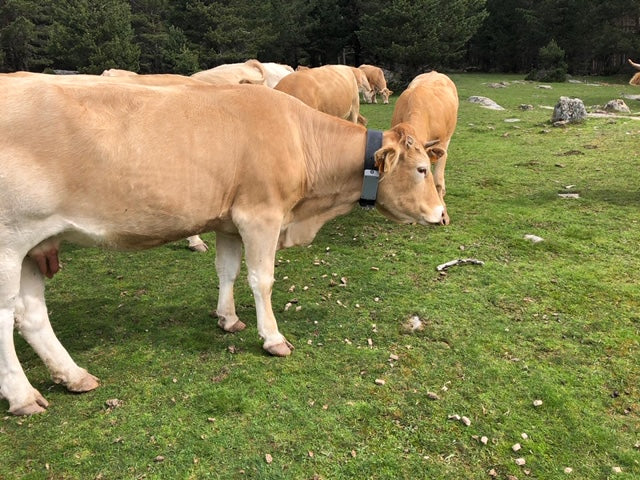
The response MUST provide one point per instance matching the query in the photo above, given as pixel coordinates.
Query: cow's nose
(445, 218)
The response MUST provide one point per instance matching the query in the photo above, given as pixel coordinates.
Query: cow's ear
(386, 158)
(435, 153)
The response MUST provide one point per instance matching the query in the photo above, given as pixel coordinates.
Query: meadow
(538, 348)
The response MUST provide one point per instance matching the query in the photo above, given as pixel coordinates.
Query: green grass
(557, 321)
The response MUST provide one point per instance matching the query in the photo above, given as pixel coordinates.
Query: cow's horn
(431, 143)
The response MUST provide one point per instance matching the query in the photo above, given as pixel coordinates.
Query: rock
(525, 107)
(616, 106)
(569, 110)
(497, 85)
(485, 102)
(533, 238)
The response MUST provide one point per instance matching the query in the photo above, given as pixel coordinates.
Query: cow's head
(368, 94)
(386, 93)
(407, 192)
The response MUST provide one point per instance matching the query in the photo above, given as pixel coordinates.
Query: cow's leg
(228, 259)
(14, 386)
(196, 244)
(32, 321)
(260, 243)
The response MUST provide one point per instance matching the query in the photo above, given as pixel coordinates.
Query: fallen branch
(459, 261)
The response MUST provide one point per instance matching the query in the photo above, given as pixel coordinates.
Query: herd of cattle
(259, 153)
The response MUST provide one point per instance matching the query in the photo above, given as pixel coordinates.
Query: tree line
(406, 36)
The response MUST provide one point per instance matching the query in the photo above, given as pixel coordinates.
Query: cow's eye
(423, 171)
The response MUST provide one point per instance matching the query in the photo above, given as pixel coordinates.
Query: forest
(184, 36)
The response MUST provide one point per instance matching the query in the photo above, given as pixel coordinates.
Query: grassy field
(556, 321)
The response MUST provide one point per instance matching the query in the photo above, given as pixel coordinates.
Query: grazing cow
(363, 85)
(331, 89)
(127, 166)
(274, 72)
(635, 80)
(430, 105)
(251, 71)
(375, 75)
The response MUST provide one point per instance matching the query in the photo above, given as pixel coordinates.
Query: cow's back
(330, 89)
(430, 104)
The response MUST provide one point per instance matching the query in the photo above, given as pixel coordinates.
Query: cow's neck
(335, 163)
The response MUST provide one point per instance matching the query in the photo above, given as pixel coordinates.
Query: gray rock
(569, 110)
(485, 102)
(616, 106)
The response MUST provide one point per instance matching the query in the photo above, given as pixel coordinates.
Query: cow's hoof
(280, 350)
(200, 247)
(37, 405)
(87, 383)
(236, 326)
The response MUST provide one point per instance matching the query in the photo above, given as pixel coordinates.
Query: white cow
(128, 166)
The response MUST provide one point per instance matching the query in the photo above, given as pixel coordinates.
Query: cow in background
(430, 105)
(331, 89)
(251, 71)
(363, 85)
(635, 80)
(378, 83)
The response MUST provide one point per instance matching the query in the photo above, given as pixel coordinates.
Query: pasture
(363, 396)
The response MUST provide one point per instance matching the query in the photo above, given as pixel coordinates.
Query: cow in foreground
(331, 89)
(130, 167)
(430, 105)
(378, 83)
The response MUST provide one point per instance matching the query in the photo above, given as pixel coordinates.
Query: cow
(375, 75)
(430, 105)
(251, 71)
(274, 72)
(363, 85)
(195, 243)
(128, 167)
(635, 80)
(331, 89)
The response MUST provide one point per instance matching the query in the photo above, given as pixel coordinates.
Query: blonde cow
(363, 85)
(127, 167)
(251, 71)
(274, 72)
(378, 83)
(195, 243)
(635, 80)
(331, 89)
(430, 105)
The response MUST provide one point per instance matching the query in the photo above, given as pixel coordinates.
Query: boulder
(485, 102)
(569, 110)
(616, 106)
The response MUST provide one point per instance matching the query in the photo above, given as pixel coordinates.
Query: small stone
(268, 458)
(524, 436)
(616, 470)
(394, 357)
(159, 459)
(520, 461)
(380, 381)
(493, 473)
(533, 238)
(433, 396)
(465, 420)
(537, 403)
(484, 440)
(516, 447)
(454, 417)
(568, 470)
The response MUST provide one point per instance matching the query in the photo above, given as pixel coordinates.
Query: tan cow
(251, 71)
(378, 83)
(363, 85)
(430, 105)
(331, 89)
(127, 166)
(635, 80)
(196, 244)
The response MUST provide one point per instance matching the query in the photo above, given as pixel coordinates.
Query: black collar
(371, 174)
